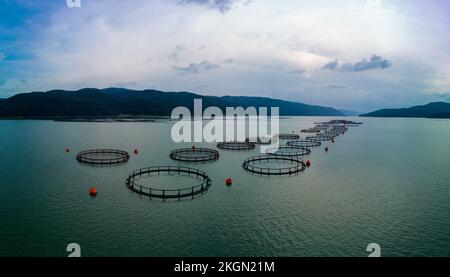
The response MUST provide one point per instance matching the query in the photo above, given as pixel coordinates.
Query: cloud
(195, 68)
(375, 62)
(335, 86)
(199, 87)
(11, 86)
(220, 5)
(176, 52)
(298, 71)
(331, 65)
(443, 96)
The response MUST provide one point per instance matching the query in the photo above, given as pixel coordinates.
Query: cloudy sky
(352, 54)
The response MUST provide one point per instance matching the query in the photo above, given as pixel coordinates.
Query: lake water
(386, 182)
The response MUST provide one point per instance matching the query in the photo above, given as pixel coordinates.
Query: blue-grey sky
(351, 54)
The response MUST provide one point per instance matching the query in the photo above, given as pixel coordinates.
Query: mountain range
(431, 110)
(112, 102)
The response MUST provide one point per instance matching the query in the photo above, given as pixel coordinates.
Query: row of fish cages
(284, 159)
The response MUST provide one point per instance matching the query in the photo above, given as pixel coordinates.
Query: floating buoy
(193, 147)
(332, 141)
(67, 150)
(229, 181)
(308, 163)
(136, 151)
(326, 149)
(93, 192)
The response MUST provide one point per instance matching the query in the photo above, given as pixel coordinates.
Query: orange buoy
(136, 151)
(67, 150)
(93, 191)
(308, 163)
(229, 181)
(326, 149)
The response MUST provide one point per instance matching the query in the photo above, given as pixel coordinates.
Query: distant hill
(433, 110)
(90, 102)
(440, 115)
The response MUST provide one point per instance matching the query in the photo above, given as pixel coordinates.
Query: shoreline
(92, 118)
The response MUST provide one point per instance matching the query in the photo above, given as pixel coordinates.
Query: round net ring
(254, 165)
(155, 192)
(194, 155)
(103, 157)
(322, 127)
(321, 137)
(236, 146)
(289, 151)
(304, 143)
(313, 130)
(332, 133)
(287, 136)
(338, 130)
(260, 140)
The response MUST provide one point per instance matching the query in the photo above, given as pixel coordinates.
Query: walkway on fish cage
(103, 157)
(169, 193)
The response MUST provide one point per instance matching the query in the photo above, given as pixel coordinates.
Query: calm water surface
(387, 181)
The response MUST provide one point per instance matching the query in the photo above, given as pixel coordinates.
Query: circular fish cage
(152, 192)
(332, 133)
(236, 146)
(260, 140)
(311, 130)
(321, 137)
(304, 143)
(339, 129)
(254, 165)
(103, 157)
(194, 155)
(287, 136)
(322, 126)
(289, 151)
